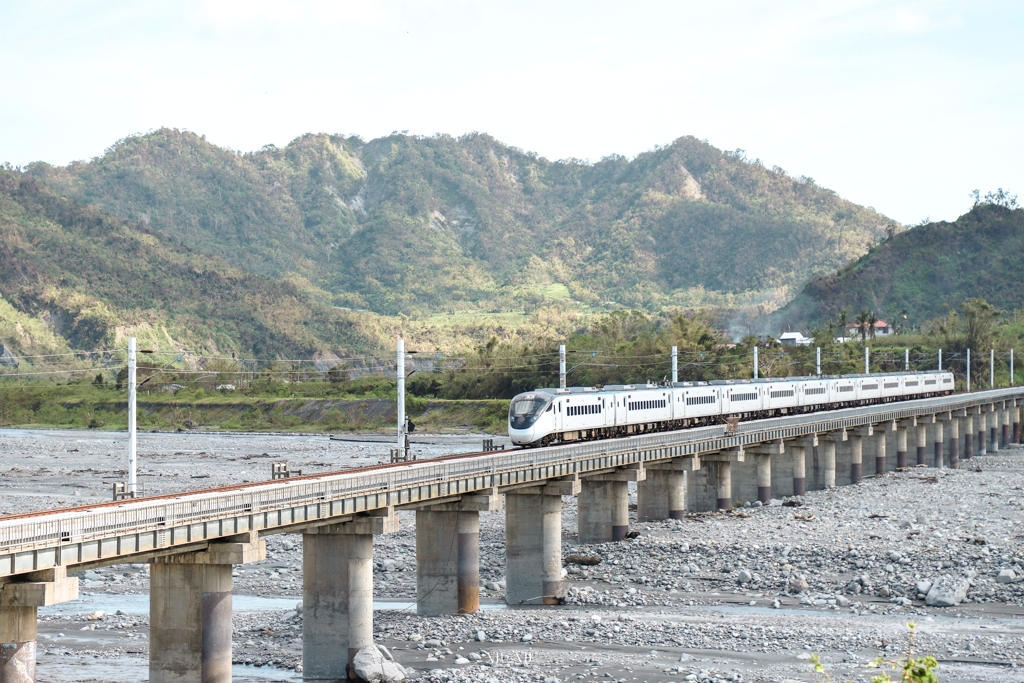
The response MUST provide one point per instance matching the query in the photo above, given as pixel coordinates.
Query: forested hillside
(926, 272)
(415, 225)
(73, 277)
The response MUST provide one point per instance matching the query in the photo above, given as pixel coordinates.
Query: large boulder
(373, 666)
(947, 591)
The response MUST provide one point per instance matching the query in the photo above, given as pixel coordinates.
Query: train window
(869, 387)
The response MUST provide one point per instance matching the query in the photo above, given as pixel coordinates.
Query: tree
(862, 324)
(1000, 197)
(844, 319)
(338, 373)
(872, 319)
(979, 323)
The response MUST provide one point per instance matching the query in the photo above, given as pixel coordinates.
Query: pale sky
(903, 106)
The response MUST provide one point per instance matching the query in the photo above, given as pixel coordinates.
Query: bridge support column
(901, 442)
(1007, 408)
(662, 495)
(995, 425)
(724, 486)
(954, 439)
(19, 607)
(764, 478)
(448, 555)
(857, 453)
(969, 435)
(938, 439)
(533, 546)
(880, 446)
(799, 449)
(982, 430)
(718, 468)
(829, 444)
(603, 511)
(190, 612)
(922, 438)
(1015, 421)
(337, 594)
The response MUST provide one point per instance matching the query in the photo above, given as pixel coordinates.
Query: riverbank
(88, 408)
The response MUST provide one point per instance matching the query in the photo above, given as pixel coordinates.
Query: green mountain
(415, 225)
(74, 277)
(925, 271)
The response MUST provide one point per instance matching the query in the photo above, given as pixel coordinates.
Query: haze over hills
(416, 225)
(926, 271)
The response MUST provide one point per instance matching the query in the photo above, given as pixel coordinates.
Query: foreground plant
(910, 669)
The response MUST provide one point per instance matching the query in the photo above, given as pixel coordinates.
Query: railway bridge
(192, 540)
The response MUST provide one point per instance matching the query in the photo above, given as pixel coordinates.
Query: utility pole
(968, 369)
(991, 368)
(940, 360)
(1011, 367)
(401, 398)
(867, 360)
(755, 361)
(561, 366)
(906, 360)
(817, 362)
(675, 365)
(132, 442)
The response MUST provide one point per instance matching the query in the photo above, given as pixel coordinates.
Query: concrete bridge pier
(995, 428)
(829, 444)
(1005, 423)
(533, 543)
(19, 620)
(922, 438)
(938, 438)
(1015, 421)
(448, 554)
(763, 455)
(712, 485)
(982, 430)
(969, 436)
(190, 611)
(603, 505)
(953, 438)
(880, 445)
(800, 450)
(662, 495)
(337, 594)
(857, 453)
(901, 441)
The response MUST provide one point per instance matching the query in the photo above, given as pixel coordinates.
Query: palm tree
(862, 324)
(843, 320)
(872, 319)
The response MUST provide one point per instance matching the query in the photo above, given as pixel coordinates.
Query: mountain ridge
(415, 225)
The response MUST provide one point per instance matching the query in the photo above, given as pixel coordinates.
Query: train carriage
(546, 416)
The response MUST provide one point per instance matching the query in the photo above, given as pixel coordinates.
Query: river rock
(924, 586)
(947, 591)
(744, 576)
(372, 666)
(1006, 576)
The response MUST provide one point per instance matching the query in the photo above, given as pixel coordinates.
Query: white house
(795, 339)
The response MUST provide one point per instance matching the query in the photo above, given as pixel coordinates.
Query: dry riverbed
(744, 596)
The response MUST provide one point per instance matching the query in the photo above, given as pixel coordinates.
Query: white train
(547, 416)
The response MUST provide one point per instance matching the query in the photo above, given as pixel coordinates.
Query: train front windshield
(524, 411)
